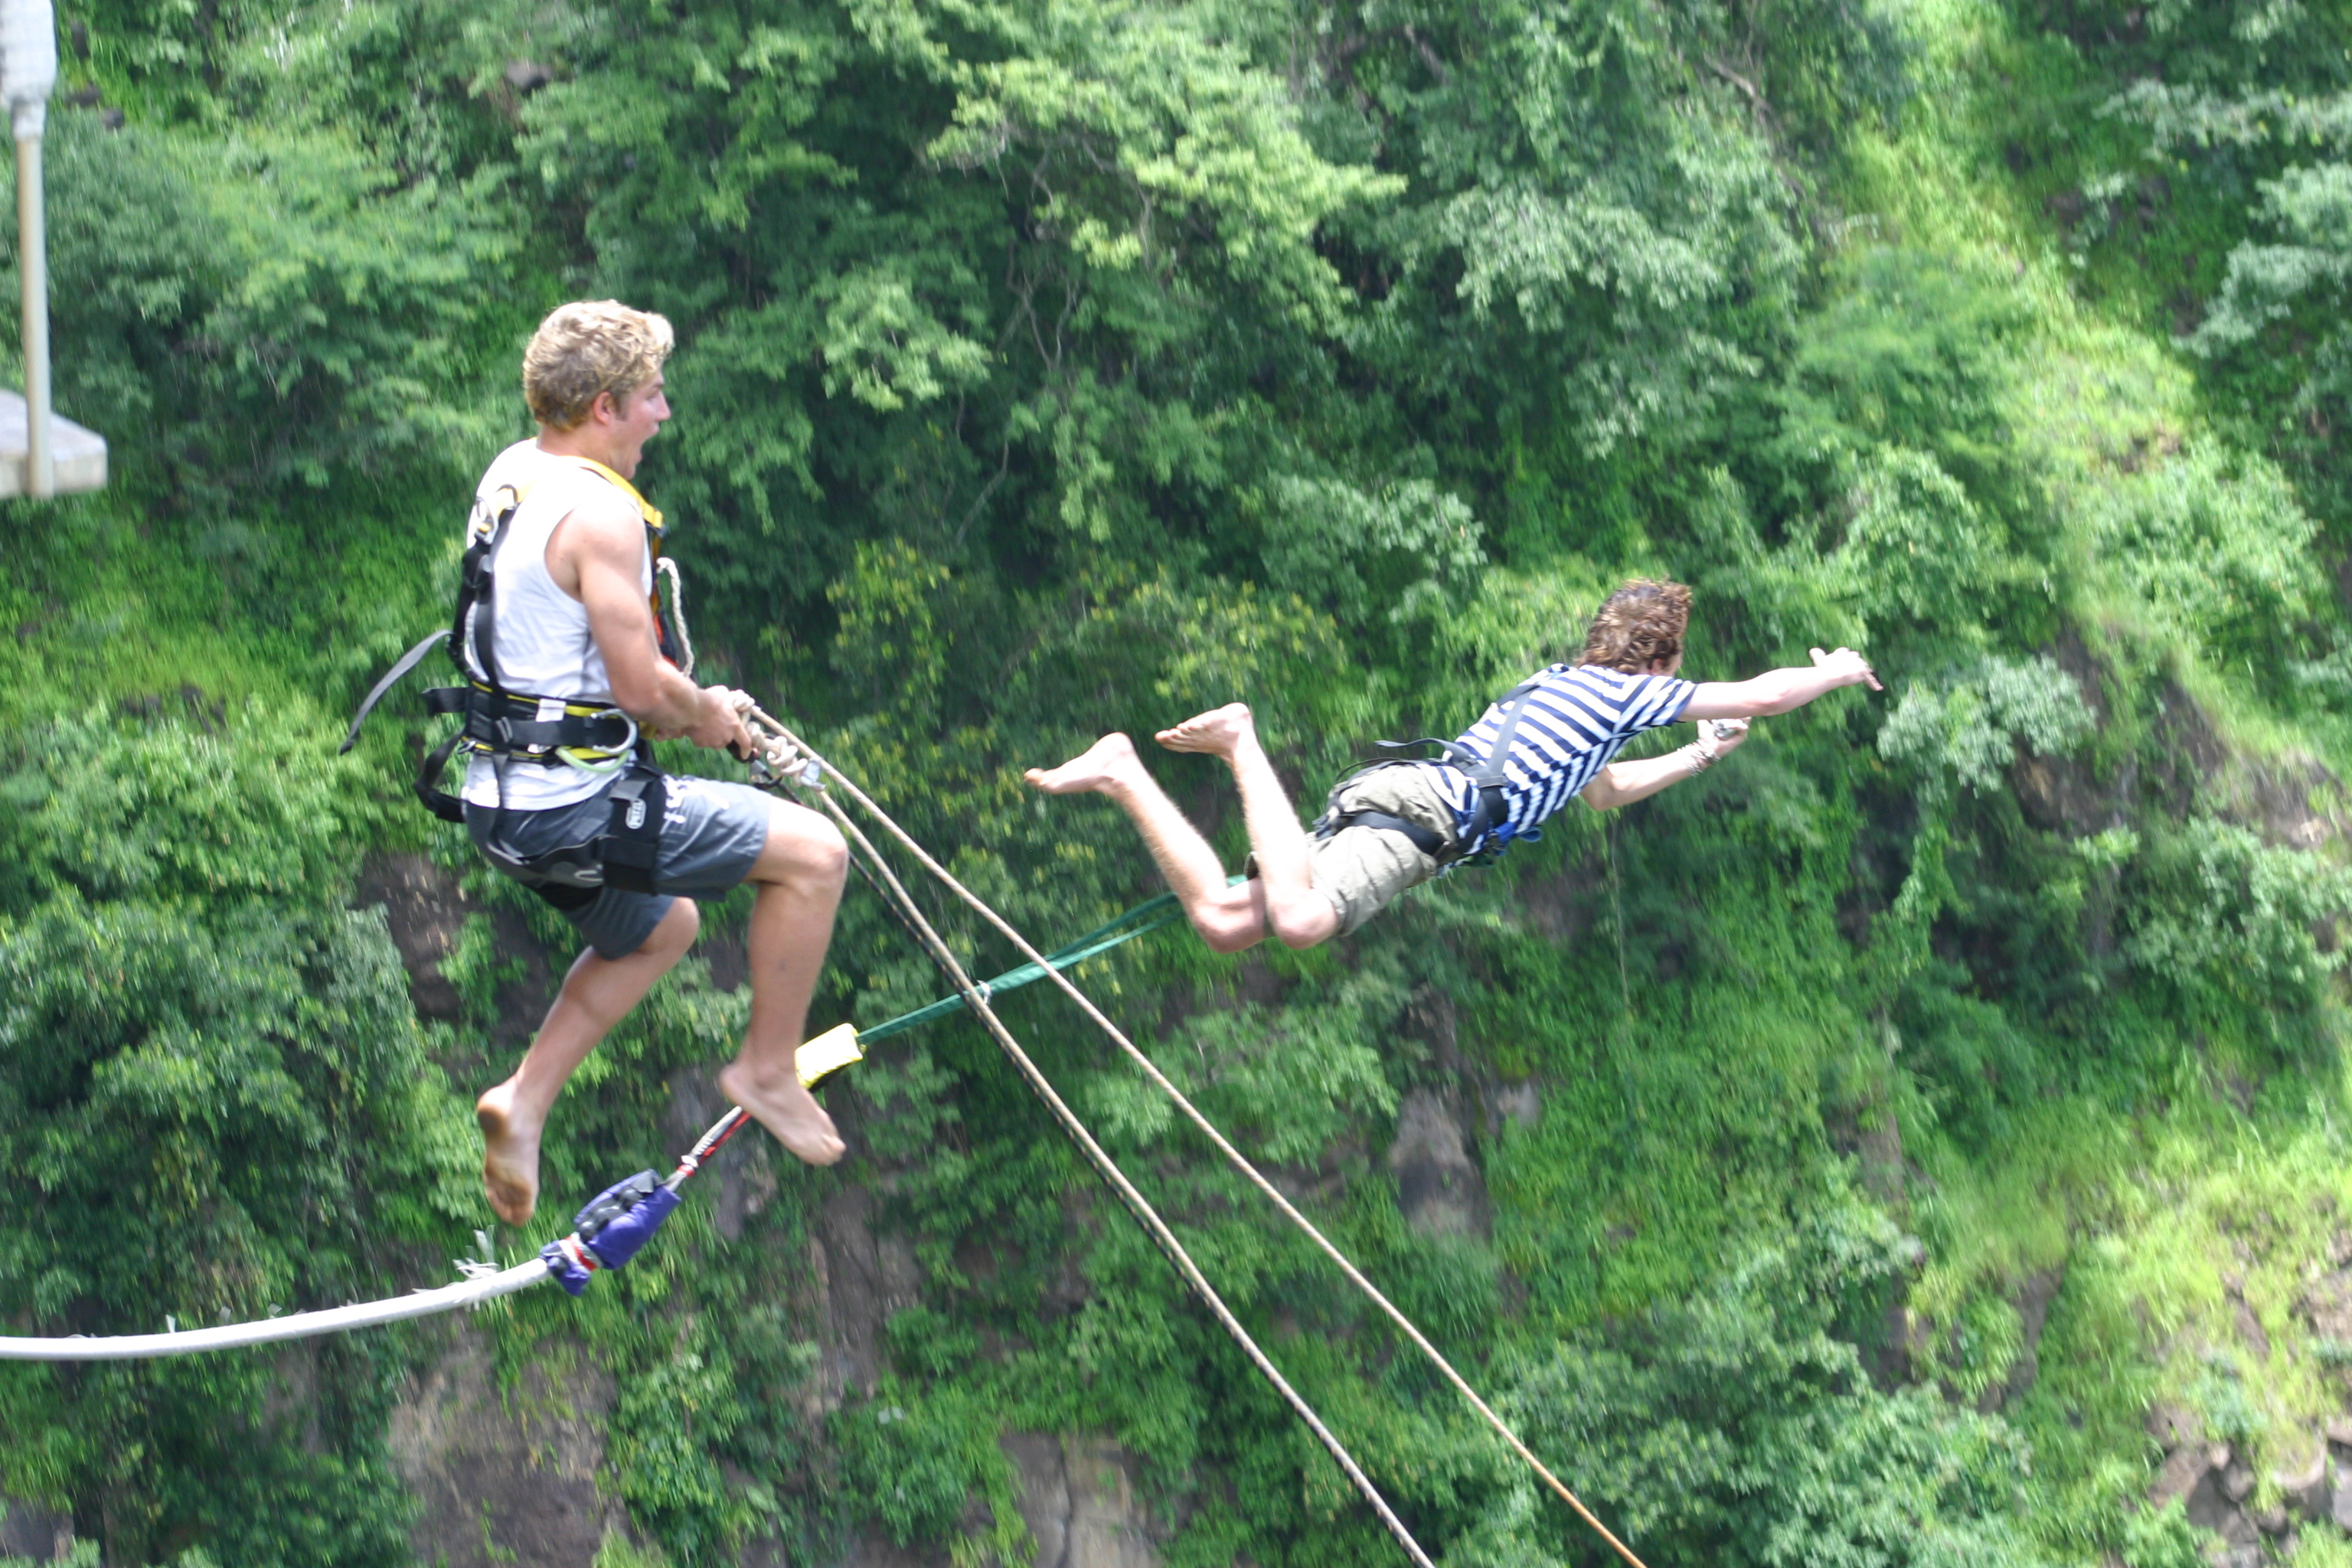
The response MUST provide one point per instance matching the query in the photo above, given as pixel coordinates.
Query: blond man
(1391, 826)
(566, 643)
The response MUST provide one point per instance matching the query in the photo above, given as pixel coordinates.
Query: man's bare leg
(1298, 914)
(597, 994)
(1228, 919)
(799, 874)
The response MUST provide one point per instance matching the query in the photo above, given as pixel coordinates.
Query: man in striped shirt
(1394, 826)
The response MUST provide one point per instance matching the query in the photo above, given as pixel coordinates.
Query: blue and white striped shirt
(1576, 722)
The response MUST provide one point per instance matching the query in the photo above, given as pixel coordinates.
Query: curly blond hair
(586, 349)
(1639, 625)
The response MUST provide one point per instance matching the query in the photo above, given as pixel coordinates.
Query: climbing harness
(1428, 840)
(511, 727)
(1048, 969)
(1488, 831)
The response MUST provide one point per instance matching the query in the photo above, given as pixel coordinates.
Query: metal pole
(28, 72)
(32, 248)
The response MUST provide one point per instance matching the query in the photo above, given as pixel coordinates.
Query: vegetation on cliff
(1870, 1133)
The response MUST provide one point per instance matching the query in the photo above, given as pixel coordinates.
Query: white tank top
(540, 633)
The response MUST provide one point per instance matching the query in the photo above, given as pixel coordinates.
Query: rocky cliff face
(504, 1476)
(40, 1535)
(1078, 1498)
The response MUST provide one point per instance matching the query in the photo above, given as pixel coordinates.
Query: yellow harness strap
(652, 514)
(654, 526)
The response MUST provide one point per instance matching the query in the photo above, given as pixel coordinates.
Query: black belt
(1430, 842)
(509, 722)
(623, 855)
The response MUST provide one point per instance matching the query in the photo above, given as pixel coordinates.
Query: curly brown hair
(1639, 626)
(586, 349)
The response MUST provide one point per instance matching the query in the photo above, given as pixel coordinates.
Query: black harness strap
(1429, 841)
(504, 726)
(408, 662)
(1488, 775)
(1492, 776)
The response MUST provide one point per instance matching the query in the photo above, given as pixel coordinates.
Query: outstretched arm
(1622, 783)
(1780, 690)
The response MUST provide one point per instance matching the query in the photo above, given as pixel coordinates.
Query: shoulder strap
(483, 532)
(1488, 770)
(478, 585)
(653, 524)
(1514, 704)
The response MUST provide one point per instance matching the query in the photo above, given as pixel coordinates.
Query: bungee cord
(1191, 1112)
(598, 1244)
(488, 1286)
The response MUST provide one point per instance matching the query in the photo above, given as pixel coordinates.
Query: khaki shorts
(1363, 869)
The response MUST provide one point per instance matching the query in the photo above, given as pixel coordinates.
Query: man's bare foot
(509, 1157)
(1218, 733)
(784, 1109)
(1105, 766)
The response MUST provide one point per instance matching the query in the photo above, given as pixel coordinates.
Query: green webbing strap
(1145, 916)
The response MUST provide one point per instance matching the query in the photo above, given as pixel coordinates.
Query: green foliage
(217, 1093)
(910, 1463)
(1738, 1428)
(1973, 728)
(2162, 1538)
(2220, 561)
(1052, 367)
(1284, 1082)
(2219, 911)
(2230, 168)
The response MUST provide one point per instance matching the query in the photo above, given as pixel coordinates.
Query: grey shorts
(713, 834)
(1363, 869)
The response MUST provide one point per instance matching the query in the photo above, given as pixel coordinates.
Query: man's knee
(828, 852)
(1307, 923)
(1230, 933)
(676, 930)
(804, 846)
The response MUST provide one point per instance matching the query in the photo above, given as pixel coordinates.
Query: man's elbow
(638, 696)
(1598, 796)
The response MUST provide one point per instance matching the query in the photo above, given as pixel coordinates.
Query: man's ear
(605, 409)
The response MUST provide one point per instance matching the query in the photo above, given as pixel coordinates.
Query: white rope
(470, 1292)
(668, 569)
